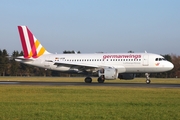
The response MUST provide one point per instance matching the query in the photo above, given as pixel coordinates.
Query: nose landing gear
(148, 81)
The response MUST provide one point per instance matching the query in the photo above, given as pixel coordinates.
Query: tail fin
(31, 46)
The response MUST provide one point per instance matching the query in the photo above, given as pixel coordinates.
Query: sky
(89, 26)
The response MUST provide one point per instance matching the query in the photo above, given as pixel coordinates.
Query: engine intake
(108, 73)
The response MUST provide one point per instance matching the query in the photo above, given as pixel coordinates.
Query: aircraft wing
(82, 66)
(76, 64)
(79, 65)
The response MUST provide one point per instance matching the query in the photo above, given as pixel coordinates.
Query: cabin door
(145, 60)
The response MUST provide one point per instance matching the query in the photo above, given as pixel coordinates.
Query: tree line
(9, 67)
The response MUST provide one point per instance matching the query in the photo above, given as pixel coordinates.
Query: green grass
(87, 103)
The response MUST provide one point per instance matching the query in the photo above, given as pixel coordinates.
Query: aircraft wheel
(88, 80)
(100, 80)
(148, 81)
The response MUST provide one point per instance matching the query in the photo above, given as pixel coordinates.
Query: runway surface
(152, 85)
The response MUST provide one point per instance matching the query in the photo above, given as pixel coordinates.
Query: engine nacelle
(126, 76)
(108, 73)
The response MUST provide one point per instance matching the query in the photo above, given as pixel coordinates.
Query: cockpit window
(160, 59)
(164, 59)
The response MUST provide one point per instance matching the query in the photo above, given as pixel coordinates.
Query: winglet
(31, 46)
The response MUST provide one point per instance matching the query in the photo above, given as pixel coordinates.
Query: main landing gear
(100, 79)
(148, 81)
(88, 80)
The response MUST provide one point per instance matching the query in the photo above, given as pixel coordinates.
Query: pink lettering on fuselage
(121, 56)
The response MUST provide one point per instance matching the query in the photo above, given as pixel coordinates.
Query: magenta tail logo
(31, 46)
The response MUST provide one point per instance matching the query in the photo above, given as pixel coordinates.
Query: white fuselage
(124, 62)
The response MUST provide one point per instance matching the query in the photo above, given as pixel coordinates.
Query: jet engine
(126, 76)
(108, 73)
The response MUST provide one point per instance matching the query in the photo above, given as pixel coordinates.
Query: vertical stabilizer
(31, 46)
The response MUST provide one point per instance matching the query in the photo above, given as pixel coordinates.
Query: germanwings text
(122, 56)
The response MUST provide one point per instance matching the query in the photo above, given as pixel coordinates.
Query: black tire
(88, 80)
(100, 80)
(148, 81)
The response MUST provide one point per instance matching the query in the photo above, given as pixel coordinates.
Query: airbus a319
(108, 66)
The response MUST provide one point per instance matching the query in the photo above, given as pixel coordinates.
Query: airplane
(108, 66)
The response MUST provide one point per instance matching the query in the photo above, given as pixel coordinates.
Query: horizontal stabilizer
(21, 58)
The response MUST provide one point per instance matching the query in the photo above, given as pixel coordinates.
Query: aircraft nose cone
(170, 66)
